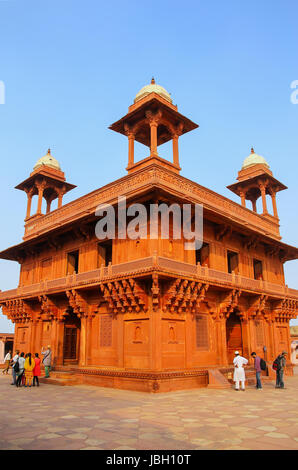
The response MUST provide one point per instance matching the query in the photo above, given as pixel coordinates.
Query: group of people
(259, 364)
(26, 368)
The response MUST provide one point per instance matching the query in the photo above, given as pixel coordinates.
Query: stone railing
(143, 265)
(131, 184)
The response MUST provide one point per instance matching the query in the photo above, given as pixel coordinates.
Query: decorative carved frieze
(125, 296)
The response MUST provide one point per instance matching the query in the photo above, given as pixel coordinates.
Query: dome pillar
(262, 187)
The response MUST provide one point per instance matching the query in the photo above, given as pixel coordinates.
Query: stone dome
(254, 159)
(153, 88)
(47, 160)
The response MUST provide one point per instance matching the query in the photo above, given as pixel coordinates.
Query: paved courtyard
(86, 417)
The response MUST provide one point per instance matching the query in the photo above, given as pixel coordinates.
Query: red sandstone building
(147, 314)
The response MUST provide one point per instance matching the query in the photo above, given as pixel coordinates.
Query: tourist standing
(7, 360)
(257, 366)
(239, 373)
(15, 360)
(36, 370)
(47, 360)
(28, 367)
(20, 372)
(280, 362)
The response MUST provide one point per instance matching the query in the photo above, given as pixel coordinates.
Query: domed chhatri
(153, 88)
(47, 160)
(254, 159)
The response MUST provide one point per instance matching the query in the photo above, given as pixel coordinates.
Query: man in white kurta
(239, 373)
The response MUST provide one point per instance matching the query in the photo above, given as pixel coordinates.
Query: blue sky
(72, 68)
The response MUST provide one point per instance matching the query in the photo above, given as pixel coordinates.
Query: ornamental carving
(77, 303)
(17, 311)
(125, 296)
(184, 296)
(258, 306)
(229, 303)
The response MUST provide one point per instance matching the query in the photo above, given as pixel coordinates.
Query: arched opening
(234, 336)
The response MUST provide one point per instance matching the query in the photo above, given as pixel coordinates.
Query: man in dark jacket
(280, 370)
(257, 366)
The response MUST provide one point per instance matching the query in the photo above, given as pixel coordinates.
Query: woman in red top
(36, 370)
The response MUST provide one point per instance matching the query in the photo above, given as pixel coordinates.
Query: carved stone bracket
(258, 306)
(48, 308)
(17, 311)
(77, 303)
(229, 303)
(184, 296)
(125, 296)
(222, 231)
(286, 310)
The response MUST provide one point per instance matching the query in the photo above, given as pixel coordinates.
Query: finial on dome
(152, 81)
(252, 150)
(49, 151)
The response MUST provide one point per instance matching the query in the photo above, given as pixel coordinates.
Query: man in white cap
(239, 373)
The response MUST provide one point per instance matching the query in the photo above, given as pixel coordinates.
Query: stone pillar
(242, 195)
(262, 187)
(40, 196)
(175, 150)
(61, 192)
(273, 197)
(89, 339)
(59, 342)
(153, 120)
(83, 341)
(254, 205)
(29, 202)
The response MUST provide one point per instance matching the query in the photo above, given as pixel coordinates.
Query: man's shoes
(237, 389)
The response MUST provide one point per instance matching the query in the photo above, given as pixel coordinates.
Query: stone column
(254, 205)
(273, 197)
(131, 144)
(83, 341)
(175, 150)
(61, 192)
(40, 187)
(262, 187)
(242, 195)
(29, 202)
(153, 120)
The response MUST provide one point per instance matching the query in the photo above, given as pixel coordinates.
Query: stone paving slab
(85, 417)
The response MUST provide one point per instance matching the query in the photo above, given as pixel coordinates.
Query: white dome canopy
(153, 88)
(254, 159)
(47, 160)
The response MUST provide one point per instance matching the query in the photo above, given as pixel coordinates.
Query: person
(21, 369)
(47, 360)
(36, 370)
(239, 374)
(28, 367)
(257, 366)
(281, 360)
(15, 359)
(7, 360)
